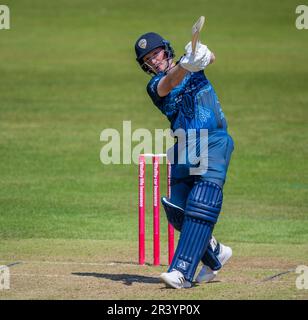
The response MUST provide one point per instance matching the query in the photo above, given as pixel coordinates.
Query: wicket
(156, 209)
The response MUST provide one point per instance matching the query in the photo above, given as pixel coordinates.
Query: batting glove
(197, 61)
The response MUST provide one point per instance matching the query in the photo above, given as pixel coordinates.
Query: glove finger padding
(197, 61)
(188, 47)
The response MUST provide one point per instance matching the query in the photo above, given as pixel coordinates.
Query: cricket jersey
(193, 104)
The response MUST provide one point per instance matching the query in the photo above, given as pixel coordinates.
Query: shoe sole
(165, 279)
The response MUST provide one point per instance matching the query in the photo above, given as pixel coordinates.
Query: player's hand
(197, 61)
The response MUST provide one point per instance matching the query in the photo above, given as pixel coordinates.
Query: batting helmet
(148, 42)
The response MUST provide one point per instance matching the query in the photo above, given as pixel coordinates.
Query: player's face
(156, 59)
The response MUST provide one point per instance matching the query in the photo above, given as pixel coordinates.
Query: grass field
(68, 72)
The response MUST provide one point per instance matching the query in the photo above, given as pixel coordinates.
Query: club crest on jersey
(142, 43)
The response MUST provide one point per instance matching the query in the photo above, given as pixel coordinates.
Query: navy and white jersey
(193, 104)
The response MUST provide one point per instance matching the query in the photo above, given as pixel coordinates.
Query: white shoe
(175, 279)
(206, 274)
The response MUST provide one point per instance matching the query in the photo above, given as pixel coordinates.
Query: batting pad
(175, 214)
(210, 257)
(201, 214)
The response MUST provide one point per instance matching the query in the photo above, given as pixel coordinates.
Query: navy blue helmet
(148, 42)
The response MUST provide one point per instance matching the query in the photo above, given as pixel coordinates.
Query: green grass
(68, 72)
(105, 269)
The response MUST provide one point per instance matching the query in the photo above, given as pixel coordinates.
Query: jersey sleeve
(152, 90)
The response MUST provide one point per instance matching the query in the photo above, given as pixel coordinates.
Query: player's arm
(173, 78)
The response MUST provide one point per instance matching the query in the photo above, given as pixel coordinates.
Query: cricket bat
(195, 32)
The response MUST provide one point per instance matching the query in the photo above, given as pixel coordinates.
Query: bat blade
(195, 32)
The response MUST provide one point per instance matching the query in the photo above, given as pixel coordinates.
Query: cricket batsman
(182, 92)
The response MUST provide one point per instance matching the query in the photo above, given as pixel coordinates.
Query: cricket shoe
(175, 279)
(206, 274)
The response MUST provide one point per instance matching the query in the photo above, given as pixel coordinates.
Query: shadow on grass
(135, 263)
(127, 279)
